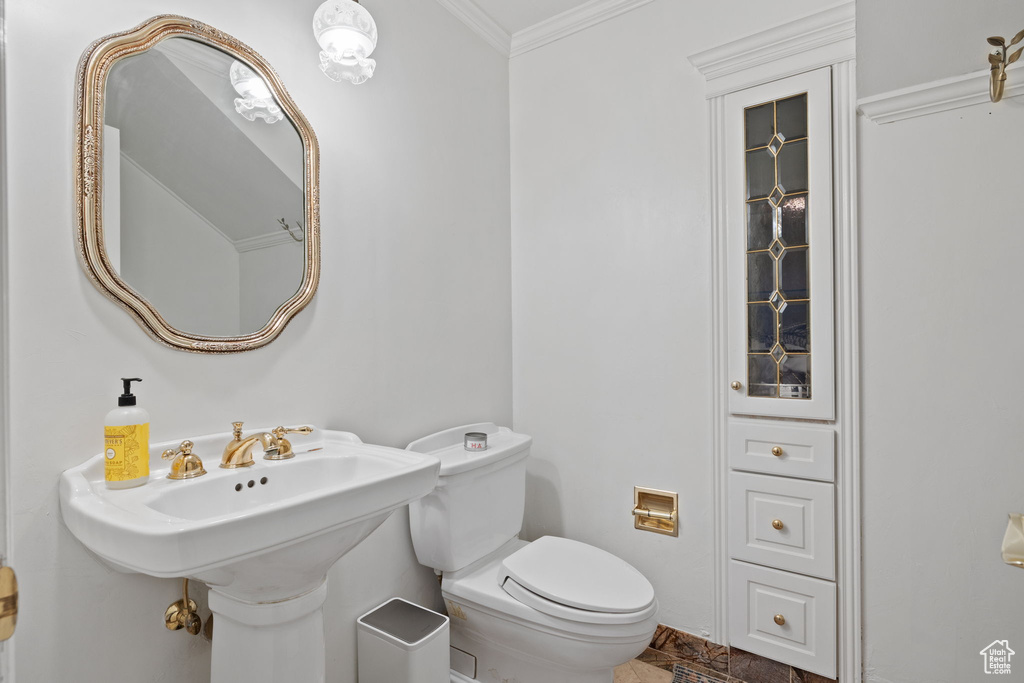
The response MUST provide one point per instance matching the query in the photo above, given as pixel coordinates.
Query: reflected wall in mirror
(196, 184)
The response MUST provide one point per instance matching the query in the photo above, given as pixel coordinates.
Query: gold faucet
(284, 446)
(238, 452)
(185, 464)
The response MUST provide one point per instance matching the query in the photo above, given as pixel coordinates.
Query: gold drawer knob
(780, 620)
(736, 386)
(777, 524)
(777, 451)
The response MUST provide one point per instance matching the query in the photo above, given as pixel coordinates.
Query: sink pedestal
(269, 642)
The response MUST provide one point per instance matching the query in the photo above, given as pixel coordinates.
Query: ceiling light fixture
(347, 35)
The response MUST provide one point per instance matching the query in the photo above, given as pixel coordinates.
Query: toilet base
(496, 665)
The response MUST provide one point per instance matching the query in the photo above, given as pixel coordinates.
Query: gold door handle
(8, 602)
(777, 451)
(780, 620)
(736, 386)
(777, 524)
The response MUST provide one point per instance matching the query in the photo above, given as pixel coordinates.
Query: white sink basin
(273, 539)
(261, 537)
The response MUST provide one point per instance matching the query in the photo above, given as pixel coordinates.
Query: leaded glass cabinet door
(779, 222)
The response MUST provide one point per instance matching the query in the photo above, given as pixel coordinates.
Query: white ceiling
(515, 15)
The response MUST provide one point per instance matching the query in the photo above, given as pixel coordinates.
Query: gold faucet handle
(237, 430)
(184, 449)
(186, 464)
(284, 446)
(279, 432)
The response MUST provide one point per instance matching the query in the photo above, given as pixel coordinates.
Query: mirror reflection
(203, 188)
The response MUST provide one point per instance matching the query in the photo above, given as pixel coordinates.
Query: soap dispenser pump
(126, 435)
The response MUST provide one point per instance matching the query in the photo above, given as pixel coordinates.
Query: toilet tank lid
(447, 446)
(578, 575)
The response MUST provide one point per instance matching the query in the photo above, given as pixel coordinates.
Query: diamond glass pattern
(791, 162)
(793, 273)
(760, 276)
(759, 124)
(778, 294)
(792, 222)
(761, 228)
(760, 173)
(791, 114)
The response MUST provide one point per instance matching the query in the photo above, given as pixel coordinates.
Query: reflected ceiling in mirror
(196, 186)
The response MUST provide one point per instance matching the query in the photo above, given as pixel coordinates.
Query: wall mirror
(196, 186)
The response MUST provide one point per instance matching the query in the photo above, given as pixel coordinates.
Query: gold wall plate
(656, 510)
(8, 602)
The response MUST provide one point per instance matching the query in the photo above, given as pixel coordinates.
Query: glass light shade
(256, 101)
(347, 35)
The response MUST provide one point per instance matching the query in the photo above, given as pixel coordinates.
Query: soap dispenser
(126, 432)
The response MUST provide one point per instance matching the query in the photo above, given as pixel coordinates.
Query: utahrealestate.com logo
(997, 657)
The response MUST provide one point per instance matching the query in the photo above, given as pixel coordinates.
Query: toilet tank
(477, 505)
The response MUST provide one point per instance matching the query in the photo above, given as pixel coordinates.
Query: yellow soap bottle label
(126, 452)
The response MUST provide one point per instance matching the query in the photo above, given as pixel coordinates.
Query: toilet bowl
(551, 611)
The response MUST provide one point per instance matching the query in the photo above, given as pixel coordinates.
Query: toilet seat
(555, 609)
(577, 581)
(486, 585)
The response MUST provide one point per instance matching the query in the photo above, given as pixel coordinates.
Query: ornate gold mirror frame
(93, 71)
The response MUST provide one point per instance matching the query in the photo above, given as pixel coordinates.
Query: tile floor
(640, 672)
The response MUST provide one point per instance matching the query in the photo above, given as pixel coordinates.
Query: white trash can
(401, 642)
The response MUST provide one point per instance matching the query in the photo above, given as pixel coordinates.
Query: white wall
(174, 257)
(611, 255)
(909, 42)
(941, 288)
(385, 349)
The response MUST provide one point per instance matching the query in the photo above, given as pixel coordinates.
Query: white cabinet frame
(818, 86)
(823, 39)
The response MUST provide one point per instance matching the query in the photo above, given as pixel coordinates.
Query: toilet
(551, 611)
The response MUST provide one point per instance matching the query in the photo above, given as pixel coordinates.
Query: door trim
(6, 648)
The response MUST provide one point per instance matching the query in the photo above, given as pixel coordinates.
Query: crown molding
(174, 195)
(264, 241)
(938, 96)
(821, 39)
(210, 61)
(569, 22)
(470, 14)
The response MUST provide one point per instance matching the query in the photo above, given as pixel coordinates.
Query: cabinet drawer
(804, 451)
(784, 523)
(807, 607)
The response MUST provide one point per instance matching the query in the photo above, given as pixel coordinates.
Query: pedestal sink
(261, 537)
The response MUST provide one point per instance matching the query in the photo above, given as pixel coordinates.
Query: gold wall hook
(1000, 58)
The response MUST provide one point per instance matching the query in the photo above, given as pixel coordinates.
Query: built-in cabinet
(778, 161)
(780, 106)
